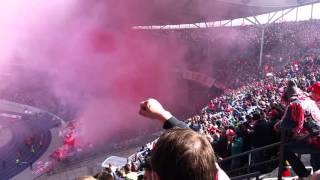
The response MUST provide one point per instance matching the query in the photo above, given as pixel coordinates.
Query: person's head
(134, 167)
(291, 92)
(256, 116)
(105, 176)
(315, 91)
(183, 154)
(120, 172)
(230, 134)
(127, 168)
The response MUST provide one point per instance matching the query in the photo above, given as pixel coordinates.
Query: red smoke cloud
(94, 60)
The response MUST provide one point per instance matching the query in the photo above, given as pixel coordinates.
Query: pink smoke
(94, 60)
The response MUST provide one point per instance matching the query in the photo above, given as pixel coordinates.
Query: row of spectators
(128, 171)
(234, 59)
(234, 62)
(240, 119)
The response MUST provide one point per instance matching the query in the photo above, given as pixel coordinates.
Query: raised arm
(152, 108)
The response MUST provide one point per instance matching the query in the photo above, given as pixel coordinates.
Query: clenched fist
(151, 108)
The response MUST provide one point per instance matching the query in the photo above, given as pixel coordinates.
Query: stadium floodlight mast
(254, 19)
(264, 26)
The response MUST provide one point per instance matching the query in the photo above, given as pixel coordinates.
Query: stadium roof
(164, 12)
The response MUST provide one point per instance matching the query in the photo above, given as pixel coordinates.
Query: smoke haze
(88, 55)
(92, 59)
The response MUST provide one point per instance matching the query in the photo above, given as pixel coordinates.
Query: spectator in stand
(105, 176)
(223, 148)
(180, 153)
(302, 118)
(259, 139)
(236, 148)
(183, 154)
(129, 173)
(294, 59)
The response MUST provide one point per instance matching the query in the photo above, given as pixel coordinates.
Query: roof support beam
(261, 47)
(196, 25)
(226, 23)
(311, 11)
(297, 14)
(274, 14)
(256, 19)
(246, 18)
(283, 15)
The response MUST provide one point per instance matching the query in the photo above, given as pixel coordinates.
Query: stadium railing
(283, 142)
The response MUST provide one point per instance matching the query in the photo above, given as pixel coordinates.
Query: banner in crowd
(202, 79)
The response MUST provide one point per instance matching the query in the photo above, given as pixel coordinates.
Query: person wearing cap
(302, 118)
(315, 92)
(236, 142)
(223, 146)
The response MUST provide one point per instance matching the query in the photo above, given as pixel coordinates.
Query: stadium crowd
(235, 60)
(247, 116)
(238, 120)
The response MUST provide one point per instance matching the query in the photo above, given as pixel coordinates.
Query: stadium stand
(244, 125)
(239, 120)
